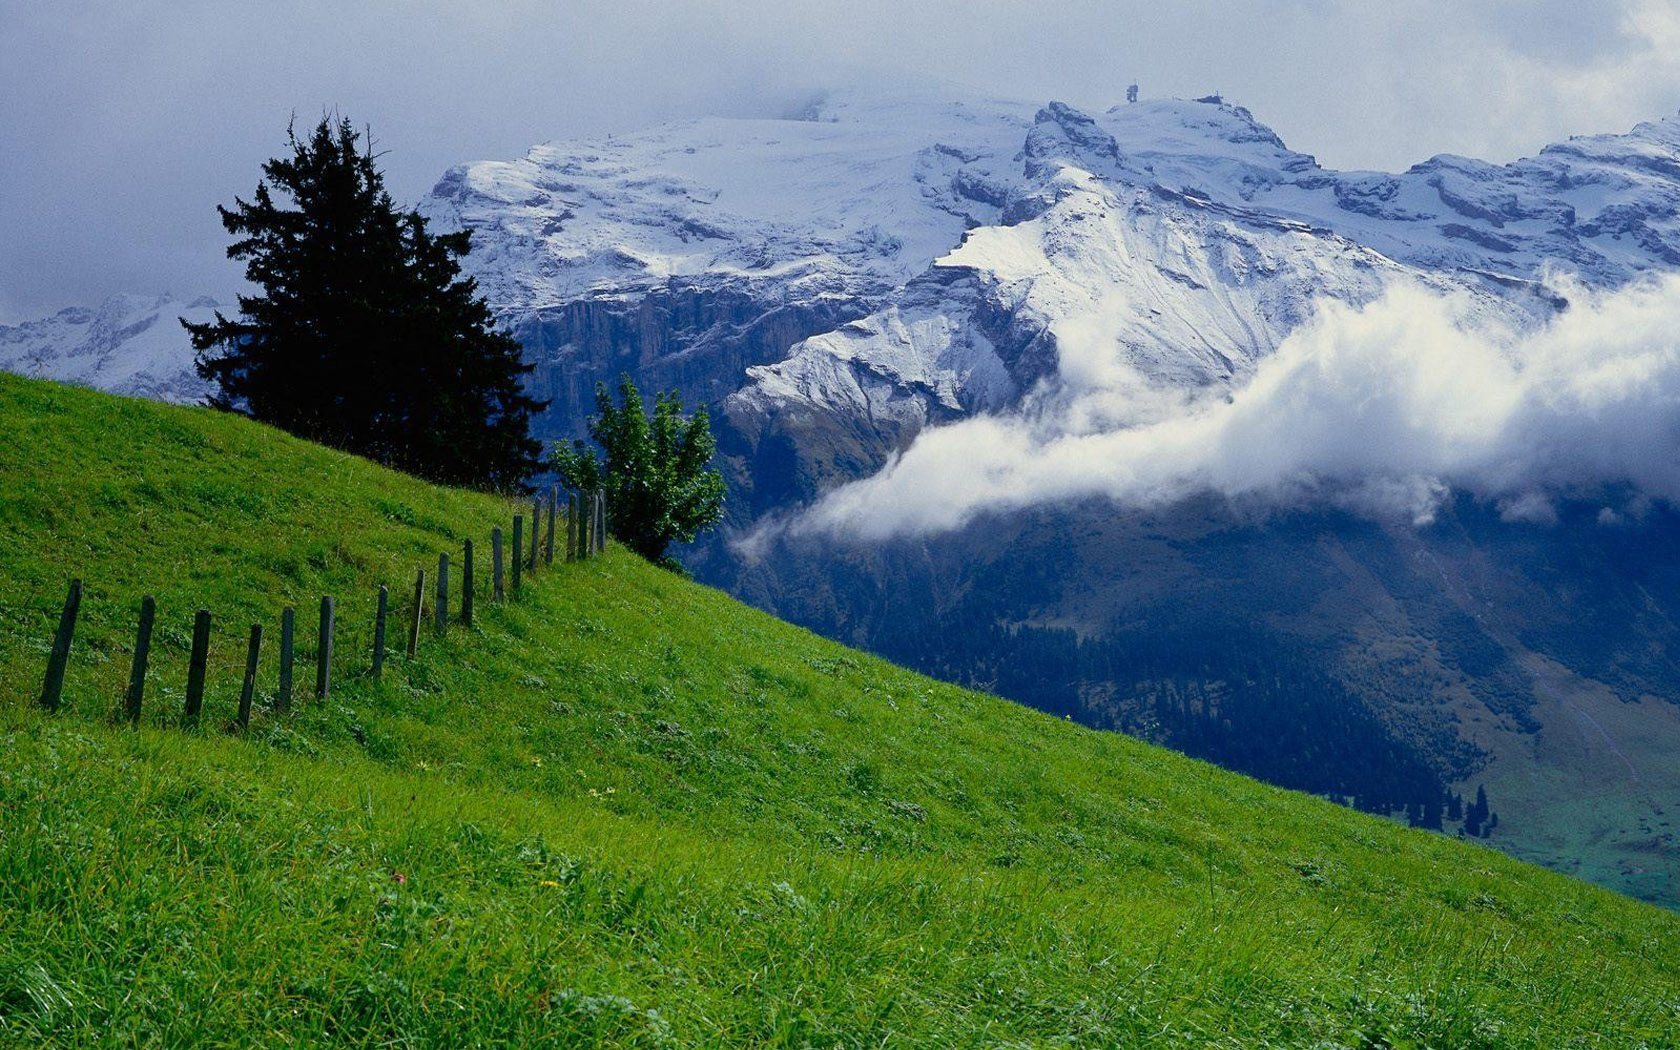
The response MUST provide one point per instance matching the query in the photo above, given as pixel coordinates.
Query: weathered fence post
(553, 509)
(142, 651)
(324, 650)
(571, 526)
(536, 515)
(440, 613)
(195, 668)
(496, 563)
(583, 527)
(248, 690)
(466, 583)
(600, 523)
(518, 538)
(288, 631)
(414, 621)
(379, 631)
(53, 688)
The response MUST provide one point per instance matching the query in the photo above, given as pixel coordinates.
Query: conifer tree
(365, 336)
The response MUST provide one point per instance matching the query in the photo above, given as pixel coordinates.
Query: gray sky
(123, 122)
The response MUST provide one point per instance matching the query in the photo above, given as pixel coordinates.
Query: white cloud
(1384, 409)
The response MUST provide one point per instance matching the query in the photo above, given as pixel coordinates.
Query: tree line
(1216, 692)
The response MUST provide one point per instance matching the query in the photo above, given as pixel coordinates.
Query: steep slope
(836, 283)
(624, 810)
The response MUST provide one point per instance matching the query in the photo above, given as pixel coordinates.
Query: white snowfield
(975, 238)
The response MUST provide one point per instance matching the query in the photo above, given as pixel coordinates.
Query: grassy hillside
(628, 811)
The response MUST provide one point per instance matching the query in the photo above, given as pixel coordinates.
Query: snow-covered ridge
(852, 195)
(130, 344)
(874, 188)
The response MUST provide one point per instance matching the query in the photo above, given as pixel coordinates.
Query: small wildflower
(399, 878)
(549, 883)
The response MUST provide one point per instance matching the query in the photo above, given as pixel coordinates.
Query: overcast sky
(124, 122)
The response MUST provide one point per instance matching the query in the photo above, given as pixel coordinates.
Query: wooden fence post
(583, 527)
(53, 688)
(142, 652)
(466, 583)
(379, 631)
(496, 563)
(414, 621)
(324, 650)
(249, 688)
(518, 538)
(571, 526)
(553, 509)
(440, 613)
(288, 631)
(536, 514)
(195, 668)
(600, 523)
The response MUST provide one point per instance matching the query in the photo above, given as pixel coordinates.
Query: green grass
(628, 811)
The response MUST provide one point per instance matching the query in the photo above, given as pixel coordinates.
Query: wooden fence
(585, 537)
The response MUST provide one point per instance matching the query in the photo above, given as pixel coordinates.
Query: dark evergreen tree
(1476, 814)
(365, 335)
(656, 471)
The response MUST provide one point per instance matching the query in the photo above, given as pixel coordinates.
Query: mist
(125, 124)
(1384, 410)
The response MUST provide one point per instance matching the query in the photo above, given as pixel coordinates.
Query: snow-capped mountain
(131, 344)
(875, 263)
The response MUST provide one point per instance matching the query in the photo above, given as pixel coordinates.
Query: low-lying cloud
(1384, 409)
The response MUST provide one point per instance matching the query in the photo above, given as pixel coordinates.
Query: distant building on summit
(1131, 93)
